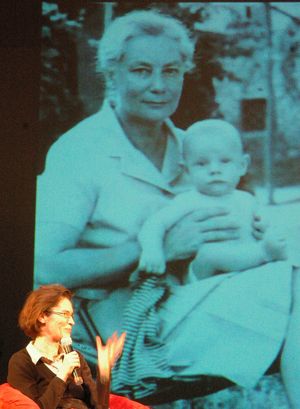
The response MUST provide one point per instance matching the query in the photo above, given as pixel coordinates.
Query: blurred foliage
(66, 24)
(291, 55)
(60, 107)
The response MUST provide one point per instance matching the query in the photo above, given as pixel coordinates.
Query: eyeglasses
(67, 315)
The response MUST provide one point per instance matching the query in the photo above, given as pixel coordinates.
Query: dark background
(20, 151)
(19, 96)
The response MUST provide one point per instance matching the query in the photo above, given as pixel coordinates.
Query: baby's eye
(225, 160)
(201, 163)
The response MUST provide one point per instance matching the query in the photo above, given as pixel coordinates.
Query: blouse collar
(133, 161)
(35, 354)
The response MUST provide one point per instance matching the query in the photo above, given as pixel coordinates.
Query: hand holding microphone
(71, 360)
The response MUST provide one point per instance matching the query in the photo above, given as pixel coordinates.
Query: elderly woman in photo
(102, 180)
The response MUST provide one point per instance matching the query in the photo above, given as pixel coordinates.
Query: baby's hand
(275, 248)
(152, 263)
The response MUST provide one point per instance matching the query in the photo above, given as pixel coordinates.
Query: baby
(215, 161)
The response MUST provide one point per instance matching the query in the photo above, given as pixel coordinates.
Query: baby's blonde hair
(203, 129)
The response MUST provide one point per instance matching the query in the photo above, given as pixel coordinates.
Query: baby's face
(215, 164)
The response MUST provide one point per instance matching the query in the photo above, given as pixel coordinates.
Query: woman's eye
(172, 71)
(141, 71)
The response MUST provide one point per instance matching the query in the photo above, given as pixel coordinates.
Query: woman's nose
(71, 321)
(157, 82)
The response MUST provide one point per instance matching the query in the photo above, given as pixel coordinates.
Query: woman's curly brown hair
(39, 301)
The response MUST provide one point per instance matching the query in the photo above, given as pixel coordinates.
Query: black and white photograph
(164, 256)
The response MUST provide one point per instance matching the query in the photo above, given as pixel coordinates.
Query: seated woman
(48, 373)
(102, 180)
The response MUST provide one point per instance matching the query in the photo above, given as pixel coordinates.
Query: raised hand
(109, 354)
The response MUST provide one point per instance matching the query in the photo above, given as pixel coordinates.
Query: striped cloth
(144, 355)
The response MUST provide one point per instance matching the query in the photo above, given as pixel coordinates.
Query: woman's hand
(109, 354)
(203, 225)
(70, 362)
(259, 226)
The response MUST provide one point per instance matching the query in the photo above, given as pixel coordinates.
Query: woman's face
(147, 82)
(58, 321)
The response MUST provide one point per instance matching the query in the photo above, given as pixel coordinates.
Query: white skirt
(231, 325)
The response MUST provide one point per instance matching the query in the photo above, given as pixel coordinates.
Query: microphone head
(66, 341)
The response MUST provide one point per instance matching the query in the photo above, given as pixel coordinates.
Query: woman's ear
(245, 162)
(42, 318)
(110, 80)
(111, 88)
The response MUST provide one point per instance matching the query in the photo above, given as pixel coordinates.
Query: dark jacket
(40, 384)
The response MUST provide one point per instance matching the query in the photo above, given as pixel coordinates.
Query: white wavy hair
(137, 23)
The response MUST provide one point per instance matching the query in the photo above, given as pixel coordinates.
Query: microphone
(66, 345)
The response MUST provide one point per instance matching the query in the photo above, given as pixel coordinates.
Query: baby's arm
(236, 256)
(151, 235)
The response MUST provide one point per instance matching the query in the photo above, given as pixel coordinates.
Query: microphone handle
(77, 378)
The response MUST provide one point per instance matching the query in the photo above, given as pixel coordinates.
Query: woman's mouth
(155, 103)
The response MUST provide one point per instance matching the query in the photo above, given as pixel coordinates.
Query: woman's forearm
(77, 266)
